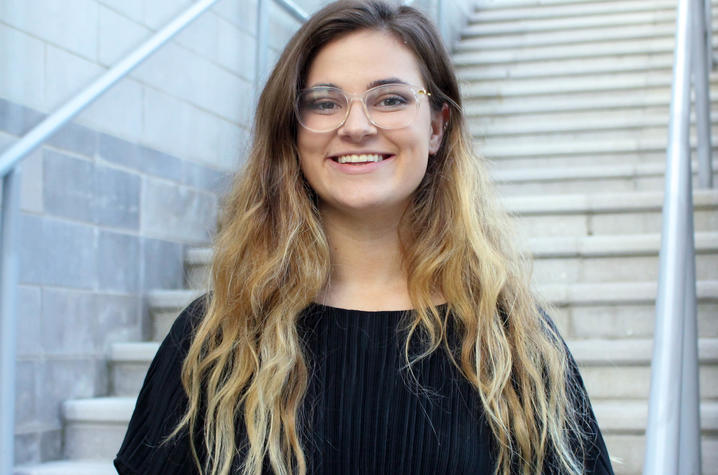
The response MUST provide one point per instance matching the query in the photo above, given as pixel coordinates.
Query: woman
(361, 199)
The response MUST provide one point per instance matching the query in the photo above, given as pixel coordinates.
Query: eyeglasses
(390, 106)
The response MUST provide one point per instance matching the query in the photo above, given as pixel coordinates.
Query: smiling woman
(369, 313)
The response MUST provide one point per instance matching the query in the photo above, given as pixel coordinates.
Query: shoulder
(595, 454)
(182, 330)
(161, 404)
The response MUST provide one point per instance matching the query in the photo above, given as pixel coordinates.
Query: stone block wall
(112, 201)
(103, 220)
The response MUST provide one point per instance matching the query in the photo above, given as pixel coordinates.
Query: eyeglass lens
(323, 109)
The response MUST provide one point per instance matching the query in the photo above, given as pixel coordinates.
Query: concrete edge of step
(630, 351)
(67, 467)
(198, 255)
(171, 299)
(489, 12)
(545, 53)
(630, 416)
(623, 202)
(111, 409)
(133, 352)
(554, 174)
(615, 293)
(613, 245)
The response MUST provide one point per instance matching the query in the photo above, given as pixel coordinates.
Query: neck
(367, 271)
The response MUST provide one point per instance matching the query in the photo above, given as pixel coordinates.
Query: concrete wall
(110, 203)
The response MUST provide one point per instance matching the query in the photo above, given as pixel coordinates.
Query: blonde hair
(246, 365)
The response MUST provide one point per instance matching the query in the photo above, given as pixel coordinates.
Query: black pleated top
(363, 413)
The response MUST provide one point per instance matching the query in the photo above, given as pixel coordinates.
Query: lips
(359, 158)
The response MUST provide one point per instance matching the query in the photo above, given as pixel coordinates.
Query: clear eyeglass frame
(361, 97)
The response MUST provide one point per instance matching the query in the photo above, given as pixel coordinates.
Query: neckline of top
(350, 311)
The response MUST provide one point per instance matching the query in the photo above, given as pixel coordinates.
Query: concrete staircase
(569, 99)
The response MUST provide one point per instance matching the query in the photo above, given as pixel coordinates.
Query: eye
(391, 101)
(393, 97)
(323, 106)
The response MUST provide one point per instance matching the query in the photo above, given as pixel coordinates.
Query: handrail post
(708, 25)
(689, 452)
(700, 71)
(441, 21)
(261, 47)
(9, 277)
(664, 411)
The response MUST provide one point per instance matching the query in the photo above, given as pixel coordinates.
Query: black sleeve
(160, 405)
(592, 448)
(596, 460)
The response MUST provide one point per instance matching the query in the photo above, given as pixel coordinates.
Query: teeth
(360, 158)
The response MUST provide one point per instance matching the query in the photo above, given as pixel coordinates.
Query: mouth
(360, 158)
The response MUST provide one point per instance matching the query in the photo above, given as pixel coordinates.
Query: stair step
(630, 352)
(628, 451)
(637, 212)
(609, 382)
(559, 103)
(128, 365)
(552, 86)
(196, 265)
(519, 26)
(95, 427)
(563, 37)
(529, 70)
(622, 258)
(592, 179)
(68, 467)
(568, 10)
(481, 5)
(559, 151)
(629, 417)
(576, 121)
(543, 53)
(547, 128)
(619, 309)
(163, 308)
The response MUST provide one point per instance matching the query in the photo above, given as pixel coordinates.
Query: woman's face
(355, 63)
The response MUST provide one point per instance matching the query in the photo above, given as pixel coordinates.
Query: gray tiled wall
(103, 220)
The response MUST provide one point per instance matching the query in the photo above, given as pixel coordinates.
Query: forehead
(355, 61)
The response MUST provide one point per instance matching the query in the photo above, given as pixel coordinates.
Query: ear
(439, 121)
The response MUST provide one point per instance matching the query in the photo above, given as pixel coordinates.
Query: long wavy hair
(246, 366)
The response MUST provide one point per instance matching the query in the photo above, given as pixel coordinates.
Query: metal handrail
(10, 236)
(673, 429)
(261, 53)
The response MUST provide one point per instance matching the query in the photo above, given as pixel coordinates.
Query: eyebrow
(381, 82)
(378, 82)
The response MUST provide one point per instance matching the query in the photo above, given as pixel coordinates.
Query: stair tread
(68, 467)
(108, 409)
(170, 298)
(615, 293)
(510, 175)
(557, 38)
(601, 202)
(579, 9)
(630, 351)
(128, 352)
(631, 415)
(565, 23)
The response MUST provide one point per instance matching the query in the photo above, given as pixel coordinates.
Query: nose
(357, 125)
